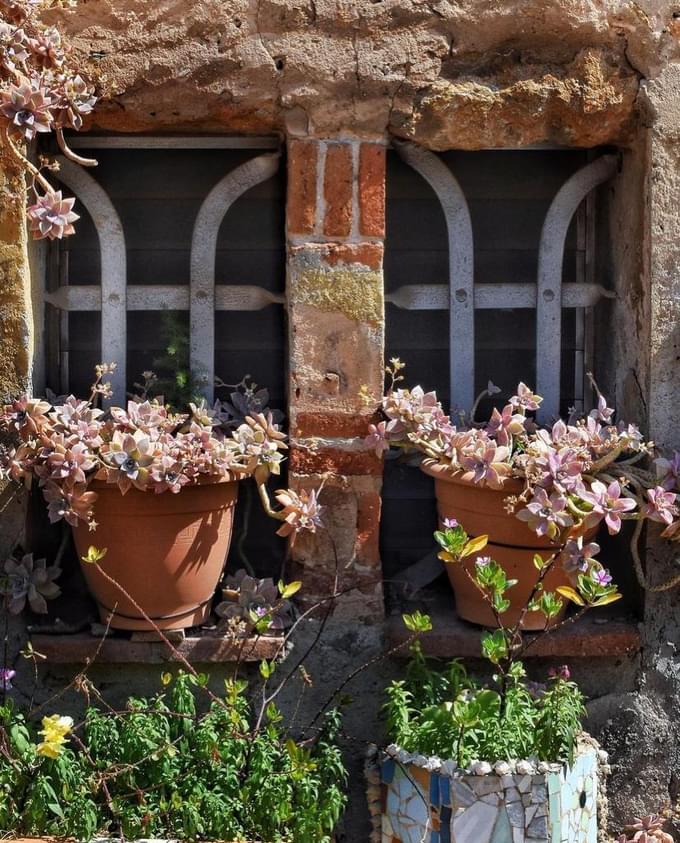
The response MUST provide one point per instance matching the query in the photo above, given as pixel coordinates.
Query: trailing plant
(146, 446)
(574, 474)
(42, 91)
(440, 710)
(160, 768)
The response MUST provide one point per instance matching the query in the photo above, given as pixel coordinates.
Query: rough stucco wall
(445, 74)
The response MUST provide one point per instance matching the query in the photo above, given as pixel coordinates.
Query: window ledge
(206, 648)
(600, 633)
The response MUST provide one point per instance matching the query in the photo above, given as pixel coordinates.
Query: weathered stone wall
(337, 78)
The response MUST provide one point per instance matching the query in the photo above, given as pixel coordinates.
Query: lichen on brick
(355, 292)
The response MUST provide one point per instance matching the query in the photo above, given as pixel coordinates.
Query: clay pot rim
(202, 480)
(441, 471)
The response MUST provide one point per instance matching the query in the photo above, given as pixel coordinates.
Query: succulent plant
(249, 598)
(31, 580)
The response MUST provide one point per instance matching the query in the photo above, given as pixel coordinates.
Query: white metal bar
(85, 141)
(250, 297)
(113, 268)
(494, 296)
(203, 249)
(461, 273)
(549, 281)
(165, 297)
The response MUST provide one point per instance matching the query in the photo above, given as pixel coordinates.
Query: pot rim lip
(202, 480)
(585, 744)
(448, 474)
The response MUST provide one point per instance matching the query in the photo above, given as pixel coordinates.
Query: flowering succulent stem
(70, 154)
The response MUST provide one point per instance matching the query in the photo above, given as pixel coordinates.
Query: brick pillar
(335, 228)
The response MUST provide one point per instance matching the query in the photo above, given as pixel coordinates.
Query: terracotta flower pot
(512, 544)
(167, 551)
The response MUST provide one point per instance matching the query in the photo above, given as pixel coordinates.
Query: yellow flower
(55, 729)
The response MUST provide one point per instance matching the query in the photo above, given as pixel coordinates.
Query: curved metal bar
(549, 280)
(461, 272)
(113, 268)
(203, 249)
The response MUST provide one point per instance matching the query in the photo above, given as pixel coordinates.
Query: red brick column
(335, 228)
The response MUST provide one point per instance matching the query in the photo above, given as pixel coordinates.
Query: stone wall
(338, 79)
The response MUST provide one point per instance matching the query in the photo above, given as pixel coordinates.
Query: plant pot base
(183, 620)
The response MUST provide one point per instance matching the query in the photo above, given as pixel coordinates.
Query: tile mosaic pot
(429, 801)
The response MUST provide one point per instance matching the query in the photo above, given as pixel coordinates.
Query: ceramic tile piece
(445, 791)
(515, 812)
(435, 798)
(502, 832)
(524, 784)
(387, 770)
(486, 784)
(538, 828)
(475, 824)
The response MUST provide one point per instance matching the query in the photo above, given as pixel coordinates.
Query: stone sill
(600, 633)
(83, 648)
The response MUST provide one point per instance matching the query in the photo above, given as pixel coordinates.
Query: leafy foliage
(160, 769)
(440, 710)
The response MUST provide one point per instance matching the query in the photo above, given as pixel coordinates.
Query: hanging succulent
(41, 91)
(31, 580)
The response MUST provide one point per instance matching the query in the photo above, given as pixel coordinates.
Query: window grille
(468, 235)
(547, 295)
(115, 298)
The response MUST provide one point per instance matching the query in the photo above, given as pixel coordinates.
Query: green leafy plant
(160, 768)
(438, 709)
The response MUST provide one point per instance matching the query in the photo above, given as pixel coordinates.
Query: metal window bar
(113, 297)
(548, 295)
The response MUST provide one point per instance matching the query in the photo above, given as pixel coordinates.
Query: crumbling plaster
(464, 74)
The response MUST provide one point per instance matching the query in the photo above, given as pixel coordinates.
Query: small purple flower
(482, 561)
(668, 471)
(450, 523)
(525, 398)
(603, 413)
(377, 438)
(608, 503)
(545, 515)
(662, 505)
(600, 576)
(561, 672)
(6, 676)
(578, 557)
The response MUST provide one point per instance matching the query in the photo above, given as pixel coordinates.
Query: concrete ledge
(82, 648)
(599, 634)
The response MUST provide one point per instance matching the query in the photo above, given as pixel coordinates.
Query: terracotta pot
(167, 551)
(512, 544)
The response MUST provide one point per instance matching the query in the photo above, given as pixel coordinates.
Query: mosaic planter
(425, 800)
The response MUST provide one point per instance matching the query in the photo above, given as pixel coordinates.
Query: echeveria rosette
(51, 217)
(41, 91)
(28, 580)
